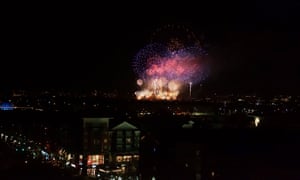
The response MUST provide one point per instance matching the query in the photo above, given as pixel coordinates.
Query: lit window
(119, 159)
(136, 157)
(127, 158)
(95, 159)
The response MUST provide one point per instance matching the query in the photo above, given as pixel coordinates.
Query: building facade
(110, 150)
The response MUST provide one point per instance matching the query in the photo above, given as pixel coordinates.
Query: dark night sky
(253, 46)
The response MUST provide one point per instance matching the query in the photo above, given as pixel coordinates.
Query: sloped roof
(124, 126)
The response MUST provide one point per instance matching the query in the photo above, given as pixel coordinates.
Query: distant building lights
(256, 121)
(5, 106)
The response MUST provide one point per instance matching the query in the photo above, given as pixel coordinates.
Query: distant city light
(256, 121)
(6, 106)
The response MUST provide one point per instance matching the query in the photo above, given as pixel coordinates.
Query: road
(13, 165)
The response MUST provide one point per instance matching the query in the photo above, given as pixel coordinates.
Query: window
(127, 158)
(137, 133)
(128, 133)
(119, 133)
(128, 147)
(119, 158)
(96, 141)
(119, 147)
(95, 159)
(119, 141)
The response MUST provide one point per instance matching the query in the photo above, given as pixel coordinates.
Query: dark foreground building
(110, 149)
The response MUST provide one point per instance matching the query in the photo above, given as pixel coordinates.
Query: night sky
(253, 47)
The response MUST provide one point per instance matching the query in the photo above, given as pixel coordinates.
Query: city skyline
(146, 90)
(252, 48)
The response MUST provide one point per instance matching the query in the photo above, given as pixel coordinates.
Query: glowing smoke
(163, 69)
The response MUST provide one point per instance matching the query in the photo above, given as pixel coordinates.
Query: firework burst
(164, 67)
